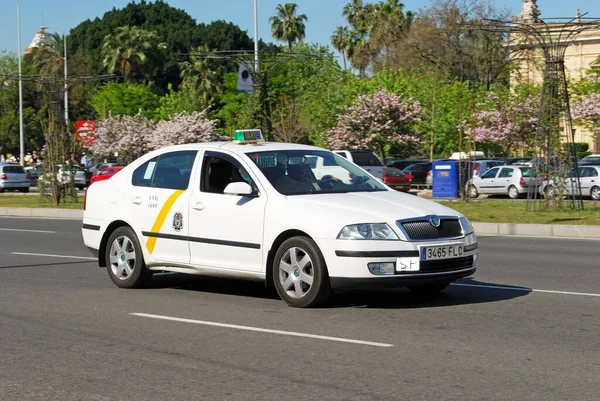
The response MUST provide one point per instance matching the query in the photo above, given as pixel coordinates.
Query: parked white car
(589, 181)
(258, 211)
(513, 181)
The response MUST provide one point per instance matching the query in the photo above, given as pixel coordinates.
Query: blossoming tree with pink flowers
(506, 121)
(587, 110)
(376, 121)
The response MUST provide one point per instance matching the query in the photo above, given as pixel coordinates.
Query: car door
(226, 231)
(486, 183)
(158, 200)
(504, 180)
(589, 179)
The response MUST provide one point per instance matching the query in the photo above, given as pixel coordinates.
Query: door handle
(137, 200)
(198, 206)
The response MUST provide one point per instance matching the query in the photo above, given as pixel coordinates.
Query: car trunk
(14, 174)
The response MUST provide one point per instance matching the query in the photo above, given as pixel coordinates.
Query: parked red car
(105, 173)
(396, 179)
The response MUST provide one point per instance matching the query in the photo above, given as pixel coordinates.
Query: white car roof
(241, 148)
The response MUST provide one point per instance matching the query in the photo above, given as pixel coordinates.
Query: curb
(537, 230)
(501, 229)
(49, 213)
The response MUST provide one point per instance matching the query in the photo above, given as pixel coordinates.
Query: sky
(323, 15)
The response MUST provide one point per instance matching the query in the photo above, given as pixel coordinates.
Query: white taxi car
(256, 210)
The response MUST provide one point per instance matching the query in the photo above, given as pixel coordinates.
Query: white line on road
(53, 256)
(499, 287)
(250, 328)
(28, 231)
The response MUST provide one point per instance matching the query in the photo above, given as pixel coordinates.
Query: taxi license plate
(441, 252)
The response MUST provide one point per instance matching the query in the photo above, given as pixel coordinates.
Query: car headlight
(466, 226)
(372, 231)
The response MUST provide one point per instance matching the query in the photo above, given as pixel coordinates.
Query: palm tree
(286, 26)
(132, 50)
(390, 23)
(48, 58)
(203, 76)
(341, 41)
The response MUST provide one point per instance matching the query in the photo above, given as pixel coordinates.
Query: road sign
(85, 129)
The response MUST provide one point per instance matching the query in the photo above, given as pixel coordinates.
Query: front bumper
(348, 263)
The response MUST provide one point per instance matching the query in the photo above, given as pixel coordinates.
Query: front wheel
(429, 288)
(595, 193)
(299, 273)
(125, 261)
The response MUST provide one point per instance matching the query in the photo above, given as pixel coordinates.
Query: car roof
(240, 148)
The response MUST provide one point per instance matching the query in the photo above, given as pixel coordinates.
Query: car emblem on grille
(434, 221)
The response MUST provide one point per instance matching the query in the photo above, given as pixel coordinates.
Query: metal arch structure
(554, 163)
(268, 61)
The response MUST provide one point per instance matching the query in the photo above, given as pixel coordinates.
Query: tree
(131, 51)
(201, 74)
(390, 26)
(341, 41)
(286, 26)
(506, 120)
(128, 136)
(49, 57)
(122, 99)
(587, 111)
(184, 128)
(287, 125)
(374, 122)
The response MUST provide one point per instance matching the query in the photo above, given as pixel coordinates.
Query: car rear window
(13, 169)
(366, 159)
(526, 171)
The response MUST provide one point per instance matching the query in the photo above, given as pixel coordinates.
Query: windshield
(303, 172)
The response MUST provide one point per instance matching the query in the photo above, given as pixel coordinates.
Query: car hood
(367, 207)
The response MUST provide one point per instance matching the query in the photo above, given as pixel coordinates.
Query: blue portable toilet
(447, 179)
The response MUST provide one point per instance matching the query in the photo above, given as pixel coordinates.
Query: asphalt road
(525, 327)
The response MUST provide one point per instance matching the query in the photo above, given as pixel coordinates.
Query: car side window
(220, 170)
(590, 172)
(142, 176)
(491, 173)
(506, 172)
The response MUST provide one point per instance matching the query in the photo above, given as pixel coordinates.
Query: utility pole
(256, 36)
(21, 133)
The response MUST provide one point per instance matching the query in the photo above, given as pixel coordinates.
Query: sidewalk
(488, 229)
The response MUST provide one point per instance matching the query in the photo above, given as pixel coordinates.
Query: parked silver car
(14, 177)
(589, 179)
(513, 181)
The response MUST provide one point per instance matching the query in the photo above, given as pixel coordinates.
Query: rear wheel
(299, 273)
(429, 288)
(595, 193)
(513, 192)
(125, 261)
(473, 192)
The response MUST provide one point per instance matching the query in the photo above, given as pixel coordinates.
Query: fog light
(381, 268)
(475, 260)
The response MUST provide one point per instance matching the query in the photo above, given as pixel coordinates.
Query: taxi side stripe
(160, 219)
(203, 240)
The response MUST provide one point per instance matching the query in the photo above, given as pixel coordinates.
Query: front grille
(433, 266)
(423, 230)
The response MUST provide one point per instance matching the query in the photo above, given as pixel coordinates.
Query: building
(38, 39)
(581, 56)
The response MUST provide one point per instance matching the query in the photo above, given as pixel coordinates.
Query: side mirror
(239, 189)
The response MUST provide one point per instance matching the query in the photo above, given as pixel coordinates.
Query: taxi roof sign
(248, 136)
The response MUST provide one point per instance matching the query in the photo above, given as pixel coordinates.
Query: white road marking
(261, 330)
(28, 231)
(500, 287)
(47, 255)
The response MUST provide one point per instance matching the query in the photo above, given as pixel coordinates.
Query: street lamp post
(256, 36)
(21, 134)
(66, 73)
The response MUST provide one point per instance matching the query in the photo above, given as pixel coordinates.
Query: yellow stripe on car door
(160, 219)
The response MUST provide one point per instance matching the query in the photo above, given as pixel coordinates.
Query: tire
(289, 273)
(24, 190)
(127, 269)
(549, 192)
(513, 192)
(595, 193)
(429, 288)
(473, 192)
(1, 190)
